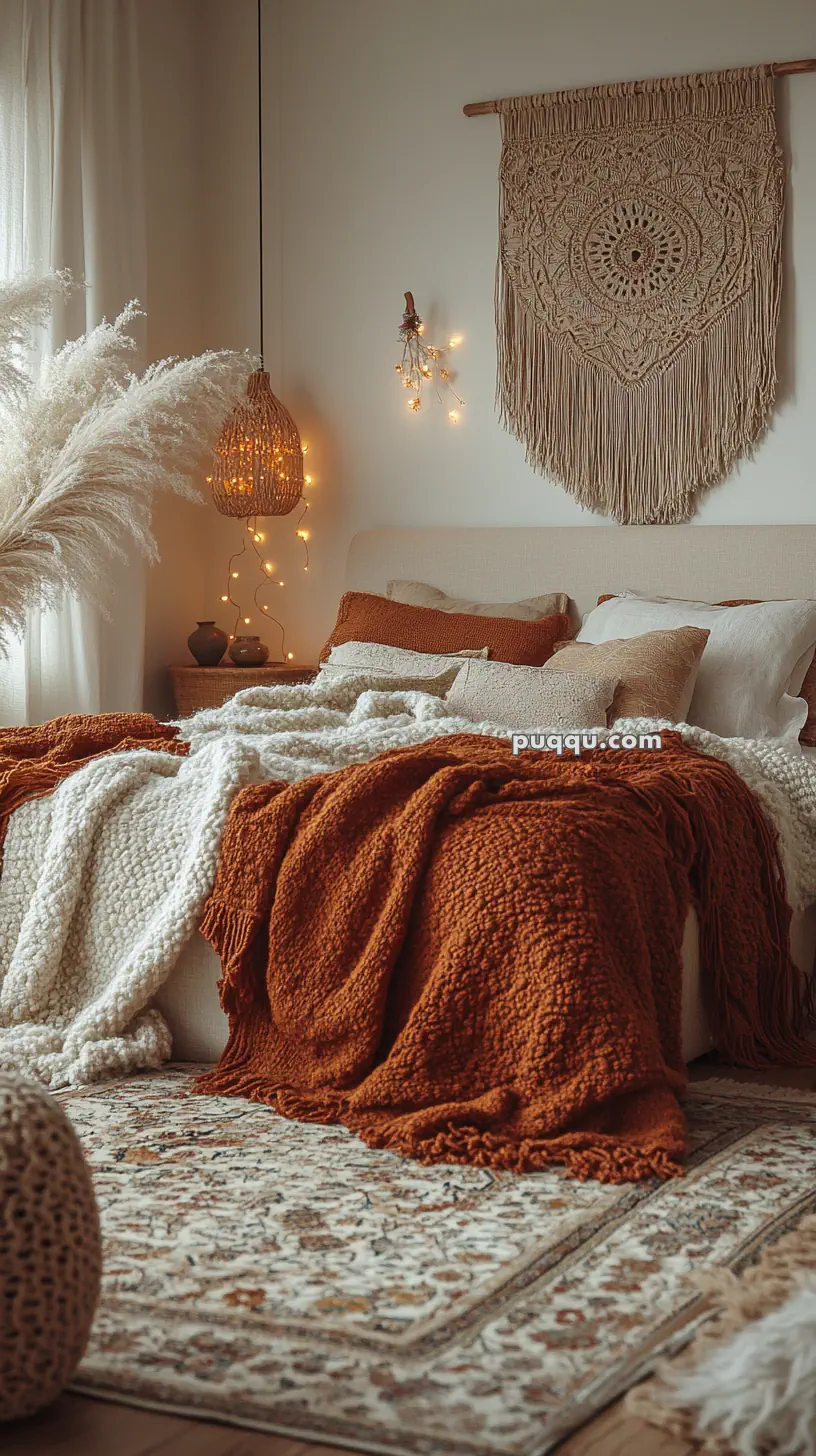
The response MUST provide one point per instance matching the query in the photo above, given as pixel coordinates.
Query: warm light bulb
(290, 656)
(269, 566)
(307, 480)
(281, 583)
(266, 606)
(208, 479)
(232, 636)
(260, 536)
(414, 404)
(246, 619)
(257, 537)
(452, 343)
(453, 416)
(225, 599)
(234, 575)
(304, 535)
(304, 449)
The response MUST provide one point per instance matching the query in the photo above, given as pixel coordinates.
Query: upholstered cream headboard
(706, 563)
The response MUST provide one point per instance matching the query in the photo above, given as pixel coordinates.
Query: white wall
(376, 183)
(386, 186)
(230, 194)
(172, 53)
(197, 61)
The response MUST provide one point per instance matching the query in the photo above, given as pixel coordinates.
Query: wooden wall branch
(779, 68)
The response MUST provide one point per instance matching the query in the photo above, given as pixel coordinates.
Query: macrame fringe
(640, 455)
(640, 451)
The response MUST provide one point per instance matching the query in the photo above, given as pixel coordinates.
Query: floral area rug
(283, 1276)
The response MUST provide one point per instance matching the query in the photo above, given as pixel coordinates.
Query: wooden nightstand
(209, 687)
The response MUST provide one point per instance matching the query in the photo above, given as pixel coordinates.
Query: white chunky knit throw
(104, 882)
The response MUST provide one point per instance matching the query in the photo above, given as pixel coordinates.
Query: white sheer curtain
(72, 196)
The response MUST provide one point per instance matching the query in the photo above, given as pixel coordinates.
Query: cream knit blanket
(104, 881)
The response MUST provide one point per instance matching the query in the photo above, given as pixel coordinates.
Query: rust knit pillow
(364, 617)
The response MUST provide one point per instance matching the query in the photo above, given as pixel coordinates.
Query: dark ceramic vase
(208, 644)
(249, 652)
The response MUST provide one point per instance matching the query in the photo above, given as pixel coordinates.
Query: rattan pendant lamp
(257, 465)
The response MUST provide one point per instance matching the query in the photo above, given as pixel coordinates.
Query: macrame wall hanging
(638, 284)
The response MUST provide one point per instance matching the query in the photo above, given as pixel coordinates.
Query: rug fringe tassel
(736, 1301)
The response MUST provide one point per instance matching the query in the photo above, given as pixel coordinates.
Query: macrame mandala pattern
(638, 285)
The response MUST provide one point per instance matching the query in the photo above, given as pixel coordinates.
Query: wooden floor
(77, 1426)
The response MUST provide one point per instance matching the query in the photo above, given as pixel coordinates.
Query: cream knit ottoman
(50, 1248)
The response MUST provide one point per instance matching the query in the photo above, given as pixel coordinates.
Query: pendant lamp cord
(260, 190)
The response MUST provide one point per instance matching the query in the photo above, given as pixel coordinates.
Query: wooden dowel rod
(779, 68)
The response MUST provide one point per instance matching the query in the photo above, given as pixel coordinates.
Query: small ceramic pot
(208, 644)
(249, 652)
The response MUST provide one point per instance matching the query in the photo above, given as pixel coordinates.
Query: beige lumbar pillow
(656, 672)
(419, 594)
(530, 697)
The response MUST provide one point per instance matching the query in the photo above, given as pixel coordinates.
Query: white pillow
(530, 697)
(375, 656)
(752, 667)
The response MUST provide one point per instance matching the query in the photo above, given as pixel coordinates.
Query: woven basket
(50, 1250)
(209, 687)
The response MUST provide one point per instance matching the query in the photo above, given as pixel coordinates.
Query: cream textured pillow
(377, 657)
(387, 682)
(530, 697)
(657, 671)
(418, 594)
(746, 680)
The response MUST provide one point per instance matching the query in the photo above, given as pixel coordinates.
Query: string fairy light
(250, 549)
(304, 535)
(422, 363)
(265, 568)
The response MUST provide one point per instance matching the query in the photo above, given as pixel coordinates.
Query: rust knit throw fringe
(34, 760)
(469, 957)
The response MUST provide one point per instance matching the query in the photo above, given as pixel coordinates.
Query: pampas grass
(86, 445)
(26, 303)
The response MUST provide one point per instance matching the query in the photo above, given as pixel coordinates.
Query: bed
(708, 563)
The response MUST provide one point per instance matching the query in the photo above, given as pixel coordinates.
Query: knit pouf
(50, 1248)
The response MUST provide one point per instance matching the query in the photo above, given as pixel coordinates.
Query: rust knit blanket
(33, 760)
(465, 956)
